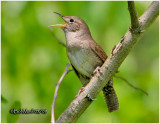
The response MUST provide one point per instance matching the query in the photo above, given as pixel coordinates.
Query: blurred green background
(33, 61)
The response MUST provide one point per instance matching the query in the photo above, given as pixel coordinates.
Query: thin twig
(59, 41)
(133, 15)
(125, 80)
(56, 91)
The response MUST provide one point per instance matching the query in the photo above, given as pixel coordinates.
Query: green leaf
(13, 117)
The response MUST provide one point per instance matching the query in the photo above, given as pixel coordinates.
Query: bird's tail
(110, 97)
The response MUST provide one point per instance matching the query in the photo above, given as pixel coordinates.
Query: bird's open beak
(59, 25)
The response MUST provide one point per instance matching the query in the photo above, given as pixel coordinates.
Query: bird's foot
(79, 92)
(97, 70)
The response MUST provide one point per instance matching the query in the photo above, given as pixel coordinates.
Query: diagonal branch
(133, 15)
(109, 68)
(150, 15)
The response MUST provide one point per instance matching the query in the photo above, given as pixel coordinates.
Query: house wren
(85, 55)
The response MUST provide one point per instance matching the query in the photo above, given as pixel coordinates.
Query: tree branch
(133, 15)
(59, 41)
(56, 91)
(150, 15)
(109, 68)
(131, 85)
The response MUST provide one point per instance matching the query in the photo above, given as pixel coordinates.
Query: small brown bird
(85, 55)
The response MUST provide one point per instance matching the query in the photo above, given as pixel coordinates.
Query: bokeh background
(33, 61)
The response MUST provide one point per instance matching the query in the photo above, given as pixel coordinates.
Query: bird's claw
(79, 92)
(97, 71)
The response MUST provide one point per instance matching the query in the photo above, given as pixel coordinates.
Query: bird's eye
(71, 20)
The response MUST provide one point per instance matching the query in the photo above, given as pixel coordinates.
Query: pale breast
(80, 53)
(84, 60)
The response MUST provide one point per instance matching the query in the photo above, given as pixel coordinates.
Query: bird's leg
(79, 92)
(97, 71)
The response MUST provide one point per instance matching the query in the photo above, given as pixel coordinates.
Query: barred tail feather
(110, 97)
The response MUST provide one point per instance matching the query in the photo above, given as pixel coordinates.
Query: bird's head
(73, 24)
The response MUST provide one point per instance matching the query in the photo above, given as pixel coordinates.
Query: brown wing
(98, 51)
